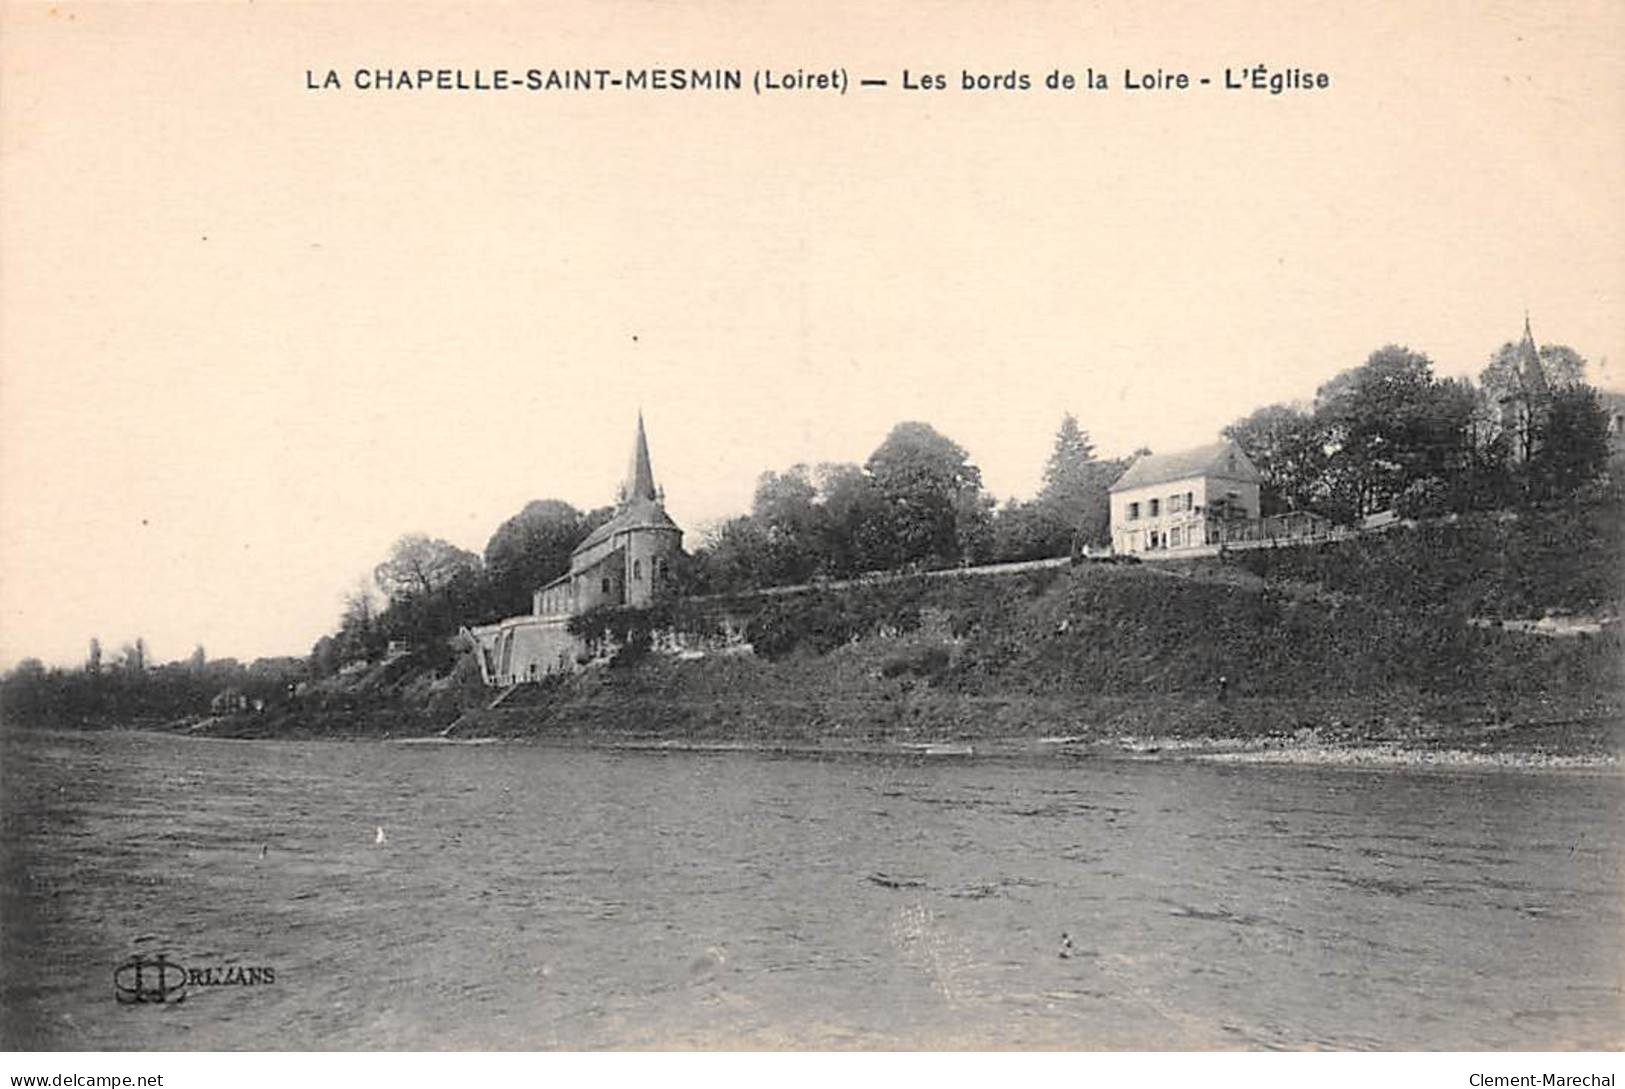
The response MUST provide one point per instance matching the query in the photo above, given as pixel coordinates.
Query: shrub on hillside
(1566, 558)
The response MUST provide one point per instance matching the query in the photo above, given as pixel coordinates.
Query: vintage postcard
(882, 527)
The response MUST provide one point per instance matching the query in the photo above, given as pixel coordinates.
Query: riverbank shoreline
(1539, 747)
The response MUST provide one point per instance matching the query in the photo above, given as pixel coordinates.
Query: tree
(1573, 446)
(418, 566)
(933, 494)
(732, 556)
(1288, 445)
(29, 669)
(1074, 503)
(324, 657)
(1515, 395)
(1028, 531)
(358, 637)
(854, 528)
(1388, 423)
(787, 518)
(1561, 366)
(1070, 460)
(533, 548)
(133, 657)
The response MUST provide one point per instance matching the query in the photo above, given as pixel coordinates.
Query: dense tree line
(916, 503)
(1389, 434)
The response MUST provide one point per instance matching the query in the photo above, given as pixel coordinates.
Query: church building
(1525, 402)
(629, 560)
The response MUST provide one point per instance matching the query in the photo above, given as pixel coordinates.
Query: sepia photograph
(852, 527)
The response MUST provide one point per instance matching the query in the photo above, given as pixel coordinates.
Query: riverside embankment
(1278, 652)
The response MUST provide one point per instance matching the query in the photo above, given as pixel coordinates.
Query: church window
(637, 570)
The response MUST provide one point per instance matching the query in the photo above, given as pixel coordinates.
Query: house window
(1176, 537)
(637, 570)
(1190, 500)
(606, 586)
(1156, 506)
(1133, 511)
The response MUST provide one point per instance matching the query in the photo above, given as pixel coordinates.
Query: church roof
(641, 505)
(643, 514)
(1221, 459)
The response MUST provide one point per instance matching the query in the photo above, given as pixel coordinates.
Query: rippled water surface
(533, 897)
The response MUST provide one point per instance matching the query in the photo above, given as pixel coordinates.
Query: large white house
(1179, 500)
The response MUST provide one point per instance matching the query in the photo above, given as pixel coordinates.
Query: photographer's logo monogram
(143, 979)
(157, 979)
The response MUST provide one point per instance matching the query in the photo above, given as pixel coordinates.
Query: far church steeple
(1526, 398)
(1530, 371)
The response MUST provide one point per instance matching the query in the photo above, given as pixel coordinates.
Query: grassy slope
(1362, 639)
(1368, 639)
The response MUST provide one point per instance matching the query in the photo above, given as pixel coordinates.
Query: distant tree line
(128, 689)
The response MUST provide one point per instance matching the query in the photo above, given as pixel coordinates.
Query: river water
(537, 897)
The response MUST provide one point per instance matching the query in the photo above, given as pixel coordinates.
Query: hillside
(1387, 637)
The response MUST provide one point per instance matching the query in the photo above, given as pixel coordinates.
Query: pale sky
(251, 333)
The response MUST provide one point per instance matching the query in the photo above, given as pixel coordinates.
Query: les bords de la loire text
(1260, 78)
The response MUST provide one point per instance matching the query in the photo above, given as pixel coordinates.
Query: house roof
(1221, 459)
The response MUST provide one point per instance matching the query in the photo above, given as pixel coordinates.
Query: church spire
(640, 478)
(1532, 373)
